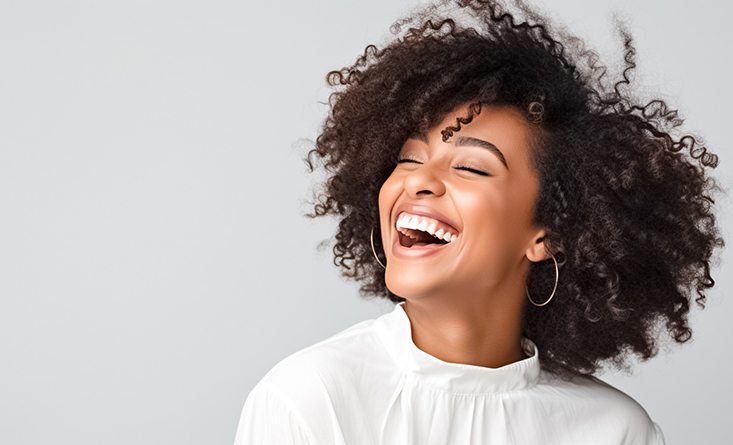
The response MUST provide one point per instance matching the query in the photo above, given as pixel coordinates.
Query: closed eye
(472, 170)
(458, 167)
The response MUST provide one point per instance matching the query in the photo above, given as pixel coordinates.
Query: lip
(418, 209)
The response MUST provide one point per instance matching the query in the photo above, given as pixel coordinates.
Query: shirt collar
(394, 330)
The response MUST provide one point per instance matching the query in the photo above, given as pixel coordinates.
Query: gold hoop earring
(371, 239)
(557, 277)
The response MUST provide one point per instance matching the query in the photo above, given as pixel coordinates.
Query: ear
(537, 250)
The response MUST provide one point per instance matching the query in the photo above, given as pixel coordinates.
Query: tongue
(423, 238)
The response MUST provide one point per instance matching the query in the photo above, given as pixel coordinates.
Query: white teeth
(424, 224)
(432, 226)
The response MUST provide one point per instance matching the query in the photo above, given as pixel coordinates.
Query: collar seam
(410, 376)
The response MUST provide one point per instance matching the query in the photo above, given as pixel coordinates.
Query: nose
(425, 178)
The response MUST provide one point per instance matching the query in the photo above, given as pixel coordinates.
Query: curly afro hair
(626, 206)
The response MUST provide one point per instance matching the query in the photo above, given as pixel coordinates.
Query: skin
(466, 303)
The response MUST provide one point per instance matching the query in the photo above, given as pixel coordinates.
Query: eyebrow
(469, 140)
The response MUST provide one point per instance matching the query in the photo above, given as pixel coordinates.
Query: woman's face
(490, 213)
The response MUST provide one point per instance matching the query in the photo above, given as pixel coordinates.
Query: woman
(529, 222)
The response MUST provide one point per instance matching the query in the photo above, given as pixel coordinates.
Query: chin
(404, 283)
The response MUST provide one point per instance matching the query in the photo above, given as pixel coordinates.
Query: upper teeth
(423, 223)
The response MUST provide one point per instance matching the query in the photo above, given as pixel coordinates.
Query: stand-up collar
(395, 331)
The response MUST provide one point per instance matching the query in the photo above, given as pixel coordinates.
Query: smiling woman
(530, 222)
(485, 268)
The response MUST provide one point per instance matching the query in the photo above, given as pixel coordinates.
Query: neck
(472, 332)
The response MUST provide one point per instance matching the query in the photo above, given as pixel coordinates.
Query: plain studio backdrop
(154, 260)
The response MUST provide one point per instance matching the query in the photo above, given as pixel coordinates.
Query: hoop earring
(557, 277)
(371, 239)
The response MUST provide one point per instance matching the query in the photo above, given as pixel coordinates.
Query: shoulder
(319, 383)
(322, 363)
(608, 411)
(269, 417)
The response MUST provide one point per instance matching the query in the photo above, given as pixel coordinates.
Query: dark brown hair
(626, 206)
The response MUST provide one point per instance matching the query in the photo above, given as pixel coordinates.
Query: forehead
(501, 125)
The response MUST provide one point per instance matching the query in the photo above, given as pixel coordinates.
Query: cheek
(491, 222)
(485, 208)
(499, 220)
(388, 194)
(385, 191)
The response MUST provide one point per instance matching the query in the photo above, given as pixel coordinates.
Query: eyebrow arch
(468, 140)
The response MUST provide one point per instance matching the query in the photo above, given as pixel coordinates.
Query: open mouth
(418, 232)
(417, 238)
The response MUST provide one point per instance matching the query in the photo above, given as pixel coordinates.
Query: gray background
(154, 263)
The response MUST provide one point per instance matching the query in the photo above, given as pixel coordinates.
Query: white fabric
(370, 384)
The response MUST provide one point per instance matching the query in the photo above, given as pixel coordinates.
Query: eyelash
(460, 167)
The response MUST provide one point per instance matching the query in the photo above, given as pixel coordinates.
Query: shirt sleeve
(269, 418)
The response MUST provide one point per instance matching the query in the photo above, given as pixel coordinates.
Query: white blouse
(370, 384)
